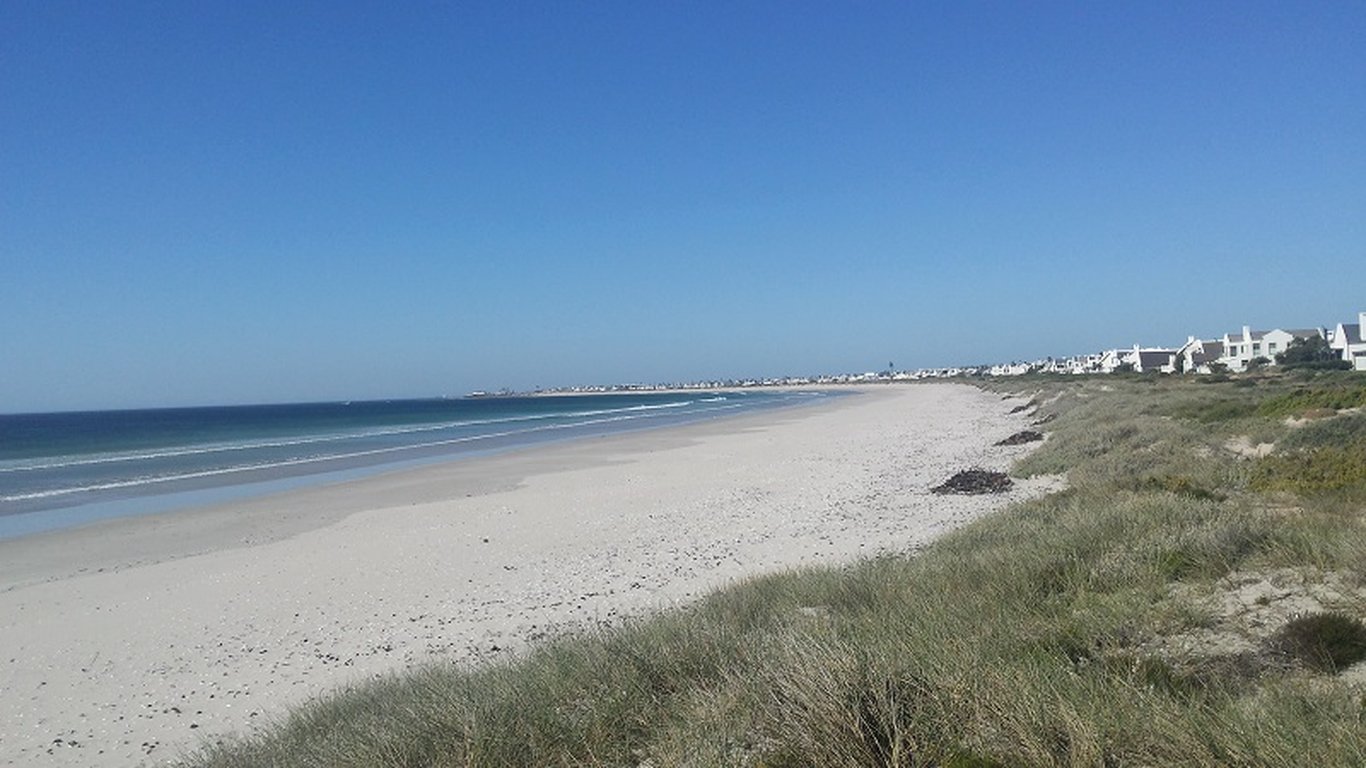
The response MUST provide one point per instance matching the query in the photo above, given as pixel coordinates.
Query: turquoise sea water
(63, 469)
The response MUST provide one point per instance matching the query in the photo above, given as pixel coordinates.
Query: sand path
(129, 641)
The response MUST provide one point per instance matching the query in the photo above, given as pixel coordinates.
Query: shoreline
(104, 544)
(40, 508)
(270, 602)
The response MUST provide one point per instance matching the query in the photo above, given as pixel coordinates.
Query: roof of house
(1303, 333)
(1299, 333)
(1352, 332)
(1155, 357)
(1206, 351)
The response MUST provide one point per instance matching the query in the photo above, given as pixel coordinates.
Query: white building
(1242, 348)
(1147, 360)
(1347, 340)
(1112, 359)
(1136, 358)
(1077, 364)
(1196, 355)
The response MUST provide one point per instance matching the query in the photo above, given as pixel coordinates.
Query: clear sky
(260, 201)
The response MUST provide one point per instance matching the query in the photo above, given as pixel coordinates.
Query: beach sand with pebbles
(130, 641)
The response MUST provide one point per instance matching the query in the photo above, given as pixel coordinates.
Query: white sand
(129, 641)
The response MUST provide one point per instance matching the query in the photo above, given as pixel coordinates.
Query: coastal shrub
(1120, 428)
(1312, 353)
(1154, 673)
(1306, 398)
(1324, 532)
(1058, 456)
(1211, 550)
(851, 710)
(1309, 472)
(1181, 485)
(1130, 454)
(1215, 412)
(1339, 431)
(1325, 642)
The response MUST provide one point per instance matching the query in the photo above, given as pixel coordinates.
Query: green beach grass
(1181, 603)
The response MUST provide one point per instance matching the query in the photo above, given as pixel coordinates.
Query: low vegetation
(1313, 398)
(1326, 642)
(1313, 471)
(1152, 614)
(1312, 353)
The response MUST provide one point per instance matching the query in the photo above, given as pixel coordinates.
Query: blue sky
(246, 202)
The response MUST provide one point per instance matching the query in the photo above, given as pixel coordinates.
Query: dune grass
(1031, 638)
(1308, 398)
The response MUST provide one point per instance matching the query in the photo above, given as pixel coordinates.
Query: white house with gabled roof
(1149, 359)
(1242, 348)
(1138, 359)
(1347, 340)
(1112, 359)
(1196, 355)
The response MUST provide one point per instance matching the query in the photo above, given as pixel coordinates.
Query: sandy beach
(128, 642)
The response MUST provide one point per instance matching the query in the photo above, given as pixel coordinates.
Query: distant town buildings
(1235, 351)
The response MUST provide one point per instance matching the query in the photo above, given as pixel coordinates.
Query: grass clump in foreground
(1063, 631)
(1323, 641)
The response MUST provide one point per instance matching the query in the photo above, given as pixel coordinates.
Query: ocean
(64, 469)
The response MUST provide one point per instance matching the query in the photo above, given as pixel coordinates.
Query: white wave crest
(134, 482)
(330, 438)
